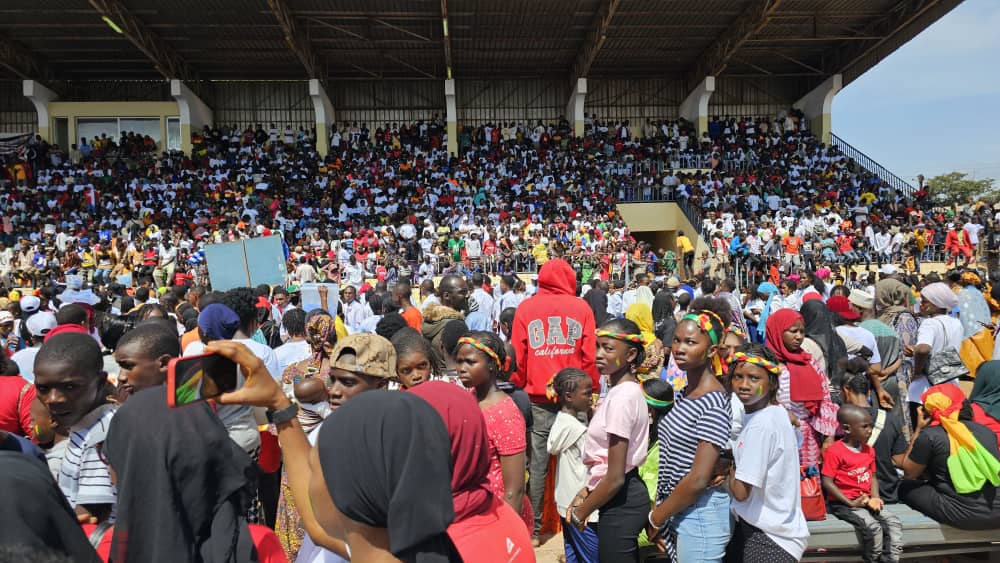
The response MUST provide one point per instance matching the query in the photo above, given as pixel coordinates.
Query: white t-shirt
(566, 439)
(866, 339)
(766, 458)
(291, 352)
(938, 332)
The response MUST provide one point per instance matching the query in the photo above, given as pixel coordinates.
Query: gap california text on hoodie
(554, 329)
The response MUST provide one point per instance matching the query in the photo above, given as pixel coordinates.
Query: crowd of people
(442, 407)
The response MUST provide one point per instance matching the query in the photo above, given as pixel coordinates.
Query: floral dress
(811, 427)
(506, 431)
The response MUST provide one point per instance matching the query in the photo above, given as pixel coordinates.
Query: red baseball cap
(840, 305)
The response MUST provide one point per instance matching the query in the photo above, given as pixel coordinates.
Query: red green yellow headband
(624, 336)
(654, 402)
(744, 358)
(504, 365)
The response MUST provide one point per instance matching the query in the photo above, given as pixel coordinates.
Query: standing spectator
(938, 332)
(686, 250)
(296, 348)
(552, 330)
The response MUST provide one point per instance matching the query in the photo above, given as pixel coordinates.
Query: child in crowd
(659, 397)
(480, 359)
(413, 358)
(574, 393)
(852, 489)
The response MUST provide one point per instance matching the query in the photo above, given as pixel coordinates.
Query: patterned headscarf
(970, 465)
(318, 332)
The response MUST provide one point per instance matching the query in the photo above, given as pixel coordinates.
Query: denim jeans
(703, 529)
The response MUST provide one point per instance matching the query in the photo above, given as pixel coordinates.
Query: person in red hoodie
(552, 330)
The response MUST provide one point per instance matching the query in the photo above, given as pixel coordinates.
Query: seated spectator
(852, 489)
(951, 467)
(985, 396)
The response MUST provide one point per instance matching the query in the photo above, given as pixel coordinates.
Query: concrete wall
(76, 110)
(658, 224)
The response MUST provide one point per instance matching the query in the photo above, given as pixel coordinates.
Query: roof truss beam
(166, 61)
(595, 39)
(714, 59)
(881, 29)
(22, 62)
(297, 39)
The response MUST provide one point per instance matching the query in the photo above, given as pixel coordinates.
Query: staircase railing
(874, 167)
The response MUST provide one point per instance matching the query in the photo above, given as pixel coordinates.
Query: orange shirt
(189, 337)
(792, 244)
(413, 317)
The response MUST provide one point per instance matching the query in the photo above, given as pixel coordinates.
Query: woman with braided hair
(615, 447)
(480, 359)
(691, 520)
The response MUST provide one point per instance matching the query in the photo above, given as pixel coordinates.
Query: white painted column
(324, 116)
(451, 116)
(817, 106)
(574, 108)
(695, 106)
(195, 113)
(40, 96)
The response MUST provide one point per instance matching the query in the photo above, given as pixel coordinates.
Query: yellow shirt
(684, 244)
(540, 253)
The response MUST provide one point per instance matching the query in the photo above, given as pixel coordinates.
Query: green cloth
(647, 472)
(970, 469)
(986, 390)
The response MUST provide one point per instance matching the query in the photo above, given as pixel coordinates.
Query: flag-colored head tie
(712, 325)
(504, 365)
(623, 336)
(743, 357)
(970, 465)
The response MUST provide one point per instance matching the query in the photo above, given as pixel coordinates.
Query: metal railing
(870, 165)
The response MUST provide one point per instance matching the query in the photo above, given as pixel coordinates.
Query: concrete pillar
(818, 105)
(451, 116)
(195, 113)
(695, 106)
(574, 108)
(324, 116)
(40, 96)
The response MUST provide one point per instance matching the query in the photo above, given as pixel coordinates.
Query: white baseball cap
(41, 323)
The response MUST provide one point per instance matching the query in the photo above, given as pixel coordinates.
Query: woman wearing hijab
(951, 467)
(321, 336)
(893, 300)
(644, 295)
(183, 486)
(642, 316)
(766, 291)
(664, 322)
(34, 512)
(938, 332)
(804, 387)
(483, 523)
(974, 312)
(381, 478)
(824, 344)
(985, 396)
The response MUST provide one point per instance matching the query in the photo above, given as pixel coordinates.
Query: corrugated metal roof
(405, 38)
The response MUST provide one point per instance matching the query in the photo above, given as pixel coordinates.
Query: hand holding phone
(197, 378)
(259, 388)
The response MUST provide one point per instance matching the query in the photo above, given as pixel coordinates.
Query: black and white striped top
(705, 419)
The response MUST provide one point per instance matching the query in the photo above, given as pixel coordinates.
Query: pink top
(507, 436)
(622, 413)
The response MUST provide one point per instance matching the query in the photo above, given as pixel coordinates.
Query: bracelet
(653, 524)
(574, 519)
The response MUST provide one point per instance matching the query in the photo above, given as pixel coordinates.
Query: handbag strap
(879, 425)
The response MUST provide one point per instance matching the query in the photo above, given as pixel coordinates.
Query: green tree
(955, 188)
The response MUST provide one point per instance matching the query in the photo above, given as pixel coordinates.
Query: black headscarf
(819, 323)
(664, 322)
(598, 301)
(183, 484)
(386, 458)
(35, 513)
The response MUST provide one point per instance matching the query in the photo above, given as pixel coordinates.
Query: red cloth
(980, 416)
(62, 329)
(852, 472)
(15, 416)
(413, 317)
(264, 539)
(495, 536)
(806, 385)
(470, 460)
(543, 349)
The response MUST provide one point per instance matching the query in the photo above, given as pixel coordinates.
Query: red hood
(557, 277)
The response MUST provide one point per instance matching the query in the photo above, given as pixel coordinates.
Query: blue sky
(933, 106)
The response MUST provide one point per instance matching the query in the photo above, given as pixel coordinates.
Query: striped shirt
(83, 477)
(704, 419)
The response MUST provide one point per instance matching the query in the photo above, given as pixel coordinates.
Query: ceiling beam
(595, 38)
(715, 58)
(297, 39)
(165, 60)
(446, 41)
(22, 62)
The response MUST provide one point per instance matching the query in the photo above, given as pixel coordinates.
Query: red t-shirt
(851, 471)
(980, 416)
(15, 415)
(495, 536)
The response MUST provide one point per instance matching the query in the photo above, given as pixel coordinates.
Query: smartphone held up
(194, 379)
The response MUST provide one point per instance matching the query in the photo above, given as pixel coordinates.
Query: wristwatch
(284, 415)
